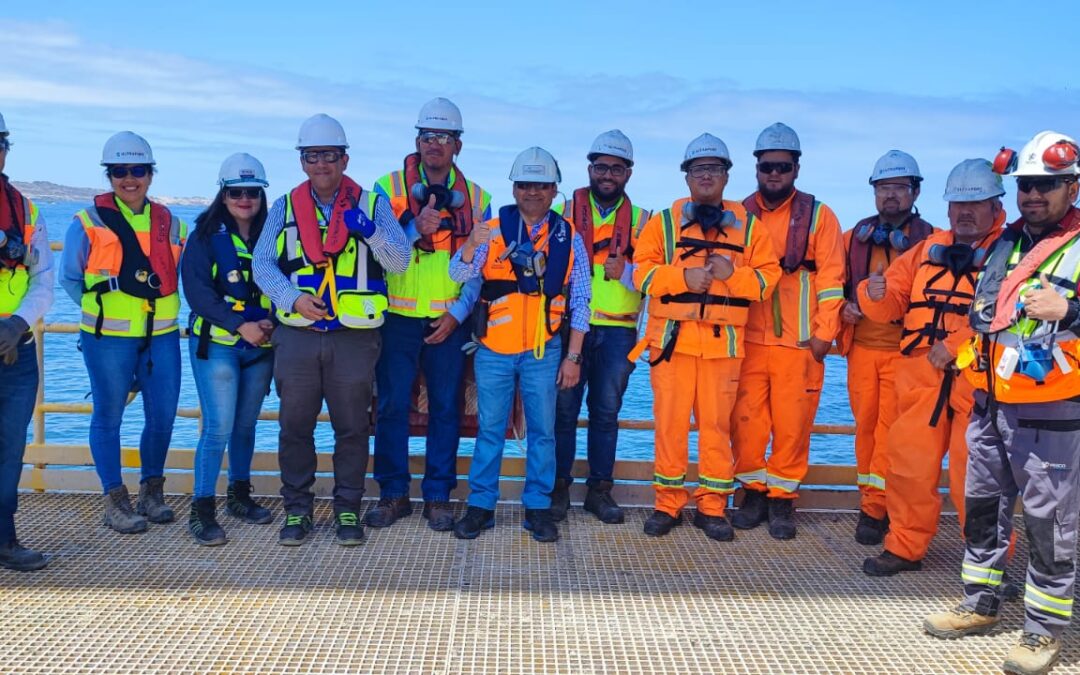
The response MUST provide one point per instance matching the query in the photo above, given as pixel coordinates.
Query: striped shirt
(39, 294)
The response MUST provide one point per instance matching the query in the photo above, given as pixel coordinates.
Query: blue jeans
(18, 389)
(114, 364)
(496, 375)
(232, 383)
(606, 371)
(403, 353)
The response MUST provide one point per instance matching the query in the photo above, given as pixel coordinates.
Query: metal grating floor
(604, 599)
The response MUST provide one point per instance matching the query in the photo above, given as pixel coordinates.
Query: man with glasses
(702, 263)
(609, 225)
(26, 275)
(1023, 438)
(872, 348)
(325, 250)
(535, 271)
(787, 338)
(426, 323)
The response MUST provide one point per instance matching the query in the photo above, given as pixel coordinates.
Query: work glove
(359, 224)
(12, 331)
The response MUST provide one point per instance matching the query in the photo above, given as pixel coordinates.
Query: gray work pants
(1031, 450)
(310, 366)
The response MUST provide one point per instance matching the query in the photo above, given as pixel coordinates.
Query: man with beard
(609, 224)
(872, 348)
(787, 338)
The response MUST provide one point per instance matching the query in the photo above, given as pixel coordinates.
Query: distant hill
(45, 191)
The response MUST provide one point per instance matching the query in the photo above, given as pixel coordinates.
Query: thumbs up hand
(875, 285)
(614, 267)
(480, 235)
(427, 223)
(1044, 303)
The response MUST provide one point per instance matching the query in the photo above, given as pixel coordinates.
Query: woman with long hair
(230, 349)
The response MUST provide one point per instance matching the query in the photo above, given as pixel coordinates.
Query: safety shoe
(781, 518)
(870, 531)
(600, 503)
(239, 503)
(753, 511)
(151, 501)
(439, 516)
(660, 523)
(475, 521)
(348, 530)
(296, 529)
(118, 513)
(387, 511)
(203, 524)
(19, 558)
(1034, 655)
(541, 524)
(959, 622)
(714, 527)
(888, 564)
(560, 499)
(1009, 590)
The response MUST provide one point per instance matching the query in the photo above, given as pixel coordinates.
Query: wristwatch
(573, 357)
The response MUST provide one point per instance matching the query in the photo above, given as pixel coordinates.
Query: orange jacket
(808, 303)
(756, 273)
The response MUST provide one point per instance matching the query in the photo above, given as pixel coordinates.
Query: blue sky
(200, 80)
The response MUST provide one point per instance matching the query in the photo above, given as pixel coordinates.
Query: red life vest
(161, 259)
(803, 207)
(619, 242)
(317, 250)
(859, 255)
(12, 214)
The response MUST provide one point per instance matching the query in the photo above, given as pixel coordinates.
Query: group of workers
(961, 340)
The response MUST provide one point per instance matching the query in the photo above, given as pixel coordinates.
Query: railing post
(39, 414)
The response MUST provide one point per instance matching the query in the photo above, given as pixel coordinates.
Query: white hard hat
(1033, 161)
(973, 180)
(778, 137)
(440, 114)
(535, 165)
(242, 170)
(126, 148)
(321, 130)
(614, 143)
(705, 145)
(3, 127)
(896, 164)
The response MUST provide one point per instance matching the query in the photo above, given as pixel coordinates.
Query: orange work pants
(872, 394)
(915, 453)
(779, 390)
(706, 388)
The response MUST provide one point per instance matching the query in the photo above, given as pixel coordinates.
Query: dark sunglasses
(137, 171)
(616, 170)
(244, 193)
(1040, 185)
(778, 167)
(526, 186)
(328, 156)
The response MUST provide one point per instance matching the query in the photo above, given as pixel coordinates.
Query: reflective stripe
(871, 480)
(716, 484)
(781, 483)
(499, 322)
(401, 303)
(986, 576)
(804, 305)
(761, 283)
(597, 315)
(116, 325)
(441, 305)
(1047, 603)
(733, 341)
(752, 477)
(826, 294)
(669, 481)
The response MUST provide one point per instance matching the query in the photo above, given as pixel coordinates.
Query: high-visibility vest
(231, 270)
(14, 275)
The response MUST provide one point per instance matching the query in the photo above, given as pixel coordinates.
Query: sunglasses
(440, 137)
(777, 167)
(244, 193)
(702, 170)
(616, 170)
(1040, 185)
(526, 186)
(137, 171)
(328, 156)
(890, 188)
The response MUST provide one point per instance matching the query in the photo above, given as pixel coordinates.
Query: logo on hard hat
(538, 169)
(247, 173)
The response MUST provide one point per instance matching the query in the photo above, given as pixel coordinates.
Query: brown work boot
(152, 501)
(118, 513)
(959, 622)
(439, 516)
(1034, 655)
(387, 511)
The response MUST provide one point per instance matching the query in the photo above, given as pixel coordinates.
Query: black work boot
(781, 518)
(888, 564)
(151, 501)
(660, 523)
(600, 503)
(475, 521)
(714, 527)
(240, 504)
(296, 529)
(541, 524)
(348, 530)
(203, 524)
(560, 499)
(439, 516)
(387, 511)
(753, 511)
(19, 558)
(869, 531)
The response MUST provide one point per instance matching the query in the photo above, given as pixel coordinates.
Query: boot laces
(1033, 641)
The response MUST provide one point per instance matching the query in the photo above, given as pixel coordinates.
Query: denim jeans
(114, 364)
(18, 389)
(403, 353)
(496, 375)
(606, 371)
(232, 383)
